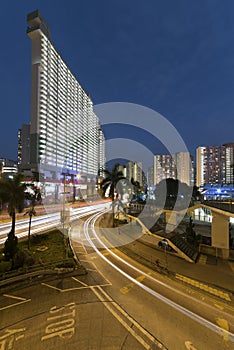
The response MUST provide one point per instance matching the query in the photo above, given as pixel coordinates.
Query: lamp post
(73, 188)
(165, 245)
(63, 204)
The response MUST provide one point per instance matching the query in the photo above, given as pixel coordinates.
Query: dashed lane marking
(128, 287)
(221, 322)
(105, 253)
(217, 292)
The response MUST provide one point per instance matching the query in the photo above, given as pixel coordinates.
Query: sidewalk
(219, 273)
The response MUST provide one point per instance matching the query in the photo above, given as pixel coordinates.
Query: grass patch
(47, 250)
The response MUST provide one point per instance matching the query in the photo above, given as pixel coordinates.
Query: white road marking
(14, 297)
(22, 301)
(76, 279)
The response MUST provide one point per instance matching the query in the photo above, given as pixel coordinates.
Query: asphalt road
(119, 304)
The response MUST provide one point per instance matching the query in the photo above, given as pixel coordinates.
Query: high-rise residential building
(178, 166)
(102, 153)
(229, 163)
(210, 165)
(164, 168)
(24, 147)
(133, 170)
(150, 176)
(184, 167)
(65, 134)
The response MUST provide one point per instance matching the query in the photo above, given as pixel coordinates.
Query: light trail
(204, 322)
(46, 222)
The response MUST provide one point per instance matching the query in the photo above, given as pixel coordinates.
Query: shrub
(19, 259)
(10, 246)
(5, 266)
(66, 264)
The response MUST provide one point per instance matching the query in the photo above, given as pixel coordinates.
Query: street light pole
(165, 245)
(166, 262)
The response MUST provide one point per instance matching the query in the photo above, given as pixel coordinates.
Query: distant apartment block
(24, 147)
(65, 133)
(229, 163)
(150, 176)
(133, 170)
(178, 166)
(215, 164)
(184, 167)
(164, 168)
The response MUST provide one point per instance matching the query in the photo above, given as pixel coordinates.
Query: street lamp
(165, 245)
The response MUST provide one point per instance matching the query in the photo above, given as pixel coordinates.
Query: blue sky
(176, 57)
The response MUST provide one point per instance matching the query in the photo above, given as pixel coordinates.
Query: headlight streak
(46, 222)
(215, 328)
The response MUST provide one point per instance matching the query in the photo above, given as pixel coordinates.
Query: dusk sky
(176, 57)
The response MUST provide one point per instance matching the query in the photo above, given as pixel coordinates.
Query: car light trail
(91, 222)
(46, 222)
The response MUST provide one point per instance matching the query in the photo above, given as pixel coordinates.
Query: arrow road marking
(189, 346)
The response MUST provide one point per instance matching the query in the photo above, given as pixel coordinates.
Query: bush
(10, 246)
(38, 239)
(70, 254)
(19, 259)
(66, 264)
(5, 266)
(29, 261)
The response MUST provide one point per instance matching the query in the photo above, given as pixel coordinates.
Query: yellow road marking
(220, 307)
(113, 307)
(204, 287)
(105, 253)
(221, 322)
(128, 287)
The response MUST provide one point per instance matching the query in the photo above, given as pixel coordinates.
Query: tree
(166, 193)
(196, 195)
(34, 195)
(12, 193)
(169, 191)
(136, 187)
(109, 183)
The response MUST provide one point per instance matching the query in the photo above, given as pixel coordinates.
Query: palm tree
(12, 193)
(109, 183)
(33, 196)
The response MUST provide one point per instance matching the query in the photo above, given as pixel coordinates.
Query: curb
(209, 288)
